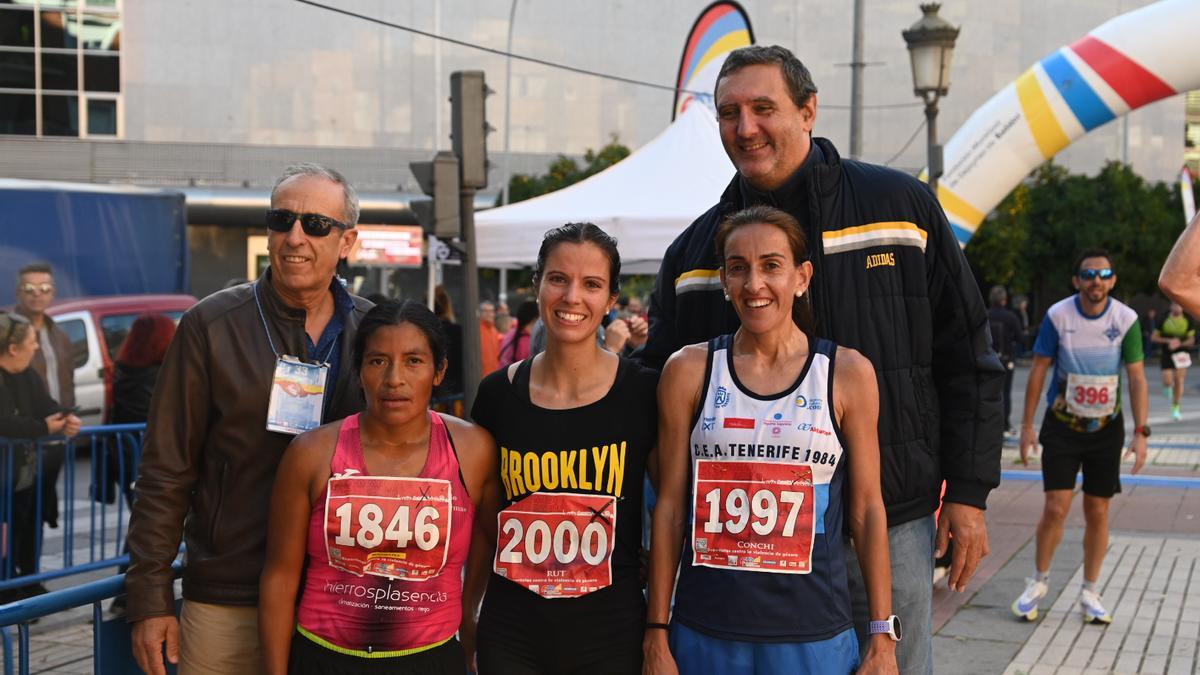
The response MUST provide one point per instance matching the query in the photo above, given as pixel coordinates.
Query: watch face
(896, 627)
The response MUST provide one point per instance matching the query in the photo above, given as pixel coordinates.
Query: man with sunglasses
(54, 363)
(1088, 337)
(212, 449)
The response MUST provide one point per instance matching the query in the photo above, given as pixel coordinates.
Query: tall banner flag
(1132, 60)
(721, 28)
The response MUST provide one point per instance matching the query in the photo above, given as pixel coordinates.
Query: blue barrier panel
(111, 648)
(98, 466)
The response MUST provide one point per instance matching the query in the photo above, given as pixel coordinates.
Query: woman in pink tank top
(376, 515)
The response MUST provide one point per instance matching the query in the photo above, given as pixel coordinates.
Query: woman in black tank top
(575, 426)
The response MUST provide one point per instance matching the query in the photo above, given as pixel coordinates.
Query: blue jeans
(911, 547)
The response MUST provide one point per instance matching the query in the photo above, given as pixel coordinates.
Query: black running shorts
(1066, 451)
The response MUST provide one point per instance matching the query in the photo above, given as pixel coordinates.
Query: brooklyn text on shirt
(600, 468)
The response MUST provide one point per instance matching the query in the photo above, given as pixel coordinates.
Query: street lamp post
(930, 47)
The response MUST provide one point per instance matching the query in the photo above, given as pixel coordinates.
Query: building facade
(224, 93)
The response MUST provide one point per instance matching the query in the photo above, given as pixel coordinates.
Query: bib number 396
(558, 545)
(389, 527)
(1091, 395)
(753, 516)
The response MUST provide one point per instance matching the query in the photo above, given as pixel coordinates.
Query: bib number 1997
(753, 516)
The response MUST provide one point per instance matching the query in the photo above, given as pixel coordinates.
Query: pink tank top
(385, 554)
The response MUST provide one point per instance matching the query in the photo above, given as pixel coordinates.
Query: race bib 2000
(558, 544)
(753, 516)
(389, 527)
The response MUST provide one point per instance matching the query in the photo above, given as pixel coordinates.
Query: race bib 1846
(1091, 395)
(753, 516)
(388, 527)
(558, 544)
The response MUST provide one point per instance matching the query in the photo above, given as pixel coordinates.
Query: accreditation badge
(558, 544)
(1181, 360)
(397, 528)
(753, 516)
(1092, 396)
(297, 395)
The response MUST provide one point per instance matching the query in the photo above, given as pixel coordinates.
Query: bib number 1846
(389, 527)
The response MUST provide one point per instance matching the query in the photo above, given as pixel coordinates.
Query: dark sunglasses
(314, 224)
(1089, 274)
(31, 289)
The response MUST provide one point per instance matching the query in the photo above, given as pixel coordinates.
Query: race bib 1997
(389, 527)
(753, 516)
(558, 544)
(1091, 395)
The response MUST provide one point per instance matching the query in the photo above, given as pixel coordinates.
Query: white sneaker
(1026, 606)
(1093, 610)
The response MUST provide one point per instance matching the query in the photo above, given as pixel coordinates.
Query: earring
(800, 293)
(726, 296)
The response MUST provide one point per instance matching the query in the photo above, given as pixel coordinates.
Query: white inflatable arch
(1132, 60)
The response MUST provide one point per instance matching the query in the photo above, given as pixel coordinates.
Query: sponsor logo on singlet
(385, 597)
(738, 423)
(721, 397)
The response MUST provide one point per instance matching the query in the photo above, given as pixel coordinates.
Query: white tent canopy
(645, 200)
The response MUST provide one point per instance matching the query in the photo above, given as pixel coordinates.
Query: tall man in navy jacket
(890, 281)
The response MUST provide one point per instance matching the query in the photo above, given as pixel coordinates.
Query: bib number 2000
(558, 545)
(753, 516)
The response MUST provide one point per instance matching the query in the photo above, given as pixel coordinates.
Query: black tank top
(598, 449)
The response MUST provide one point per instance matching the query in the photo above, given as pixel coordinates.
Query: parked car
(97, 327)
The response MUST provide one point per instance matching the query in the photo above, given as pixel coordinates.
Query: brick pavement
(1150, 581)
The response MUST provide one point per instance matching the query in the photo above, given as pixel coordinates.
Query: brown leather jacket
(61, 342)
(208, 456)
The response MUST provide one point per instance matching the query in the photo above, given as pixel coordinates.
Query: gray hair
(799, 81)
(13, 329)
(998, 296)
(349, 208)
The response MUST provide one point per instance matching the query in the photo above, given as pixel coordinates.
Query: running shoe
(1093, 610)
(1175, 413)
(1026, 606)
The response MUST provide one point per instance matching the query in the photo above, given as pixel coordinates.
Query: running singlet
(385, 554)
(1085, 390)
(762, 557)
(571, 520)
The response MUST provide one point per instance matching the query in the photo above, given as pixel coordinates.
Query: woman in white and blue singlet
(765, 437)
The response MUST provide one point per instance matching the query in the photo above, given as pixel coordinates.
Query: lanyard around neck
(267, 331)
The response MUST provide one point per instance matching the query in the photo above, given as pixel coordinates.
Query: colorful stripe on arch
(721, 28)
(1093, 80)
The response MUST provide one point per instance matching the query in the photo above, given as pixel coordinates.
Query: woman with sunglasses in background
(26, 413)
(376, 514)
(768, 442)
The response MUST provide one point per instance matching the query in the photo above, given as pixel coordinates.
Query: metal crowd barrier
(92, 512)
(111, 647)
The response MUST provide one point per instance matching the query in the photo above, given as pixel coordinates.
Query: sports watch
(889, 626)
(1143, 430)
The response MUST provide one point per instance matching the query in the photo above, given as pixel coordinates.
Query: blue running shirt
(1086, 350)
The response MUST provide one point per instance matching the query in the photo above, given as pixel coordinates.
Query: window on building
(60, 64)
